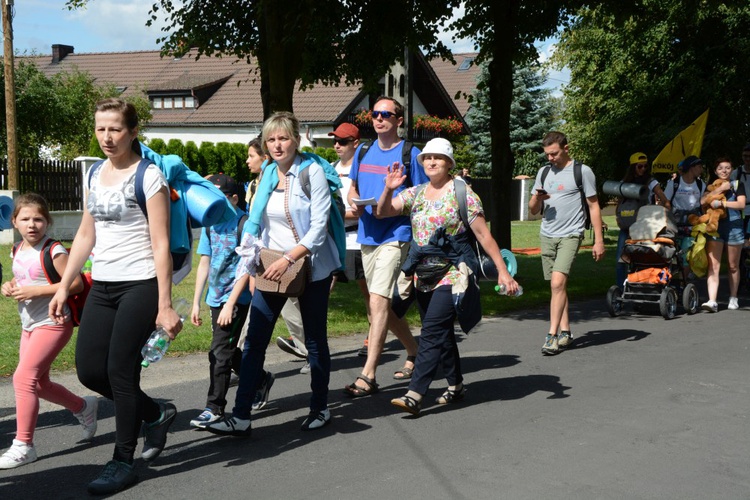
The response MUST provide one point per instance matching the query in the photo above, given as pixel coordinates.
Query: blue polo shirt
(370, 178)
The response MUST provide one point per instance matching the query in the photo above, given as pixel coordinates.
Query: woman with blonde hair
(285, 218)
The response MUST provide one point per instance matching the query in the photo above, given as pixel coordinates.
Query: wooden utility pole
(10, 94)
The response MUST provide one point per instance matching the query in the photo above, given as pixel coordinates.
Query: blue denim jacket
(310, 216)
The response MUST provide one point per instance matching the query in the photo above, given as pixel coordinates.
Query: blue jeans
(264, 311)
(437, 342)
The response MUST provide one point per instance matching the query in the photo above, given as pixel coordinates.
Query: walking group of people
(290, 211)
(409, 227)
(686, 195)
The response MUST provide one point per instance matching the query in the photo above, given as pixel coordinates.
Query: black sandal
(408, 404)
(452, 396)
(357, 392)
(405, 373)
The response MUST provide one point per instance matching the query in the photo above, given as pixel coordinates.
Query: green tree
(175, 147)
(192, 157)
(532, 115)
(643, 71)
(504, 33)
(158, 146)
(55, 115)
(315, 41)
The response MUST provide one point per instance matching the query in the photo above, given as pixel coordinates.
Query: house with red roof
(217, 99)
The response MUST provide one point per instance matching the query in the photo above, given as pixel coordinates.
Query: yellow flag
(688, 142)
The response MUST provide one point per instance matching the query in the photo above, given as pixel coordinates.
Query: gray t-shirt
(563, 212)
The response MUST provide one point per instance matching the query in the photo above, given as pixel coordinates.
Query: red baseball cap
(346, 131)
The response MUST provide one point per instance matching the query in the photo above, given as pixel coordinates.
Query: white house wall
(317, 132)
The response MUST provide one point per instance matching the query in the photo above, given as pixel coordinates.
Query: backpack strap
(363, 151)
(578, 174)
(459, 185)
(46, 258)
(140, 195)
(675, 185)
(304, 180)
(93, 169)
(240, 227)
(545, 171)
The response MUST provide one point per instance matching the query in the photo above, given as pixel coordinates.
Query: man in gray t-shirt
(562, 230)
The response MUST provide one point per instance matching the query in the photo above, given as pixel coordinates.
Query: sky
(116, 26)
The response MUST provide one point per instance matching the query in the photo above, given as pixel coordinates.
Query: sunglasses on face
(342, 142)
(640, 165)
(384, 114)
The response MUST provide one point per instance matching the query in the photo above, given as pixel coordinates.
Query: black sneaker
(116, 476)
(316, 420)
(291, 346)
(155, 433)
(261, 397)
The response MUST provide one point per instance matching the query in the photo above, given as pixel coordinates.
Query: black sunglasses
(342, 142)
(384, 114)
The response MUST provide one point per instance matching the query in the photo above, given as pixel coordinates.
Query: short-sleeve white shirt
(123, 249)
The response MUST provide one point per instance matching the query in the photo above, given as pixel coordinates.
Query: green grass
(346, 314)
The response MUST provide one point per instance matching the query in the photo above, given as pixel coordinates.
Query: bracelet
(725, 203)
(289, 259)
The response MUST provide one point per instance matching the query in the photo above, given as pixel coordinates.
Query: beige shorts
(382, 264)
(558, 254)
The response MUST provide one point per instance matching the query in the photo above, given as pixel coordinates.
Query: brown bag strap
(286, 208)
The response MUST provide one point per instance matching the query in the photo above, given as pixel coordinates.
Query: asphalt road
(639, 408)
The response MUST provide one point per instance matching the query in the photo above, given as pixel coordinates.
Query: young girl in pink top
(41, 339)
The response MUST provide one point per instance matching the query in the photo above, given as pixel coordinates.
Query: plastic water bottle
(158, 343)
(500, 289)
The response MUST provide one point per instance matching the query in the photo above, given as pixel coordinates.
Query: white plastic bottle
(158, 343)
(500, 289)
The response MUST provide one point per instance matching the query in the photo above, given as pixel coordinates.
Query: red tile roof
(237, 100)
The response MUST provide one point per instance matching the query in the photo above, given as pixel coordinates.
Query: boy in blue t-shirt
(217, 266)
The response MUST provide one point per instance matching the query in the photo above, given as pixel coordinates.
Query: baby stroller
(655, 273)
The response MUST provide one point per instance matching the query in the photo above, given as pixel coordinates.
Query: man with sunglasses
(384, 242)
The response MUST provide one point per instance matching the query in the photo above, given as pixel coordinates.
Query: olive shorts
(558, 254)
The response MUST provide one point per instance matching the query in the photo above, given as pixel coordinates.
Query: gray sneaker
(550, 346)
(155, 433)
(305, 368)
(565, 339)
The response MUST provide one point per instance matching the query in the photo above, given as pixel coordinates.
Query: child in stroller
(655, 273)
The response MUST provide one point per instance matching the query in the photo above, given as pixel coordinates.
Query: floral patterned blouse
(427, 216)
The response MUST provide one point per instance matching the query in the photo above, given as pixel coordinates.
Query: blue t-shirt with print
(370, 178)
(224, 259)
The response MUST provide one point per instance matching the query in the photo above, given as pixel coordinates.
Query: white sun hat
(437, 146)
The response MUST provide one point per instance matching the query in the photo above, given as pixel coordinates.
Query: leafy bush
(158, 146)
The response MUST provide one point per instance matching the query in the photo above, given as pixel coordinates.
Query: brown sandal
(357, 392)
(405, 373)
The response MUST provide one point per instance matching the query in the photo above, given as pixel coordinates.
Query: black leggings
(116, 322)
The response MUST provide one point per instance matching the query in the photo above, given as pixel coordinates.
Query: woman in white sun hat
(443, 263)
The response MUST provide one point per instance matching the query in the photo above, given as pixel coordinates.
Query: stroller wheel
(614, 301)
(690, 300)
(668, 302)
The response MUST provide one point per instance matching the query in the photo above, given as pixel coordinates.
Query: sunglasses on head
(342, 142)
(384, 114)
